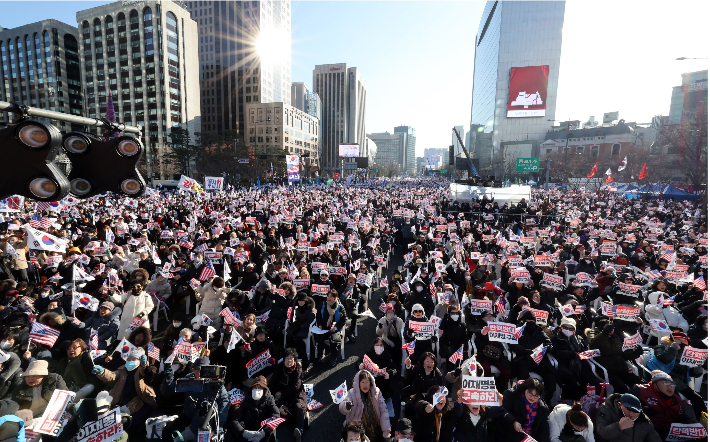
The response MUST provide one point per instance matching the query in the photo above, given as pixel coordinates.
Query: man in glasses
(662, 403)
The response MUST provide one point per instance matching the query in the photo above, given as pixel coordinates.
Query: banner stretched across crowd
(568, 317)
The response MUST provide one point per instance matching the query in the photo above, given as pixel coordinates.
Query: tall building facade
(244, 57)
(343, 93)
(690, 98)
(145, 53)
(391, 149)
(516, 70)
(431, 152)
(410, 147)
(298, 95)
(40, 68)
(458, 148)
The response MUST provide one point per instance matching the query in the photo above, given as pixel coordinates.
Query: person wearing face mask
(350, 295)
(420, 295)
(172, 332)
(302, 316)
(570, 424)
(389, 328)
(573, 374)
(190, 417)
(381, 357)
(452, 334)
(135, 302)
(365, 403)
(662, 403)
(262, 300)
(131, 388)
(621, 419)
(490, 353)
(289, 394)
(244, 421)
(403, 431)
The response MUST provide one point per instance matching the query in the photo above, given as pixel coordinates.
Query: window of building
(615, 149)
(595, 151)
(580, 150)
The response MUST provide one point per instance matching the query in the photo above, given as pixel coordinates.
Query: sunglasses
(417, 311)
(568, 328)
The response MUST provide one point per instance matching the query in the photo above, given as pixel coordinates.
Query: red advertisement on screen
(527, 96)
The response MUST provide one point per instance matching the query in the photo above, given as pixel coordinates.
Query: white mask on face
(5, 345)
(379, 349)
(195, 326)
(405, 440)
(177, 324)
(455, 317)
(468, 278)
(420, 288)
(448, 293)
(390, 316)
(568, 333)
(257, 393)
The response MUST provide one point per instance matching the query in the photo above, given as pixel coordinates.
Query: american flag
(42, 206)
(28, 301)
(404, 288)
(528, 439)
(201, 247)
(662, 301)
(432, 288)
(33, 259)
(579, 309)
(409, 347)
(289, 312)
(383, 306)
(229, 318)
(40, 222)
(668, 256)
(384, 283)
(519, 331)
(457, 356)
(500, 305)
(700, 283)
(589, 354)
(208, 271)
(538, 354)
(43, 334)
(188, 245)
(94, 340)
(154, 352)
(272, 422)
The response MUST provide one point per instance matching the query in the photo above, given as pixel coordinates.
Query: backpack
(591, 403)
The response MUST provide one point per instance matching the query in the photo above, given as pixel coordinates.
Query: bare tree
(390, 169)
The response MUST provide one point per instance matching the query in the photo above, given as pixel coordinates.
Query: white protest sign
(422, 330)
(553, 282)
(632, 342)
(214, 182)
(481, 306)
(682, 432)
(257, 364)
(540, 315)
(629, 289)
(502, 332)
(479, 391)
(107, 428)
(693, 357)
(51, 422)
(625, 313)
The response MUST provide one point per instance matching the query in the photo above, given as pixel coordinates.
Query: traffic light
(103, 165)
(28, 167)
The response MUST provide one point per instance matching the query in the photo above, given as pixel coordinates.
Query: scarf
(530, 413)
(331, 314)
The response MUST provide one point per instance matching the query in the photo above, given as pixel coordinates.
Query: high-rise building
(690, 98)
(410, 146)
(391, 149)
(517, 62)
(40, 68)
(298, 95)
(343, 93)
(458, 148)
(431, 152)
(244, 57)
(146, 54)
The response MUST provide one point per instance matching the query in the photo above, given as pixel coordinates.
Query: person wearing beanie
(287, 387)
(190, 417)
(573, 374)
(136, 302)
(613, 357)
(350, 294)
(421, 295)
(262, 300)
(662, 403)
(667, 358)
(260, 344)
(422, 343)
(621, 419)
(244, 421)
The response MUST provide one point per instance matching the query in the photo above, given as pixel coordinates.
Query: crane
(471, 167)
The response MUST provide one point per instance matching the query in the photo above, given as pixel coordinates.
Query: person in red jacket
(662, 404)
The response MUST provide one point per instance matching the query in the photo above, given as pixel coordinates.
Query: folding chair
(159, 306)
(595, 365)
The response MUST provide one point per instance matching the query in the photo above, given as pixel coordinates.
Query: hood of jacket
(56, 317)
(145, 331)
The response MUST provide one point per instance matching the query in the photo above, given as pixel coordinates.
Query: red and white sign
(106, 428)
(51, 422)
(372, 367)
(258, 363)
(624, 313)
(681, 432)
(502, 332)
(301, 283)
(632, 342)
(479, 391)
(540, 315)
(693, 356)
(553, 282)
(422, 330)
(527, 96)
(320, 289)
(481, 306)
(236, 396)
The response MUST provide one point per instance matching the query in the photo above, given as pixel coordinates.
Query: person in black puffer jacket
(699, 331)
(379, 355)
(452, 335)
(472, 421)
(533, 336)
(279, 309)
(287, 385)
(572, 373)
(303, 315)
(244, 422)
(515, 424)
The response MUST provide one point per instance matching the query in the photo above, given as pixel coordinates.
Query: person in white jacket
(673, 317)
(567, 422)
(136, 302)
(212, 295)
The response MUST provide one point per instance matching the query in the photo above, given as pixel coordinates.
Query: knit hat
(489, 287)
(631, 402)
(301, 296)
(527, 315)
(264, 284)
(658, 375)
(389, 308)
(136, 353)
(568, 321)
(324, 273)
(103, 400)
(107, 304)
(416, 307)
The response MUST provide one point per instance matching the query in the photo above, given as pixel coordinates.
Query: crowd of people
(605, 293)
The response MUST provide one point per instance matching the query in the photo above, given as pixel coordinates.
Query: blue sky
(417, 58)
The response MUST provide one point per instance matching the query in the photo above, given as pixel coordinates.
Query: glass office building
(513, 34)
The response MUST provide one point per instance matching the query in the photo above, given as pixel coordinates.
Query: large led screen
(349, 150)
(527, 96)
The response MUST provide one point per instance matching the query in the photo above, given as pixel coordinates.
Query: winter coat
(697, 333)
(454, 335)
(424, 298)
(673, 317)
(385, 362)
(161, 289)
(22, 393)
(566, 350)
(663, 413)
(119, 377)
(289, 384)
(558, 420)
(279, 311)
(608, 429)
(86, 366)
(301, 319)
(68, 331)
(457, 381)
(250, 414)
(10, 373)
(467, 432)
(530, 340)
(425, 425)
(419, 382)
(212, 300)
(515, 411)
(339, 318)
(355, 397)
(132, 307)
(611, 348)
(384, 328)
(106, 326)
